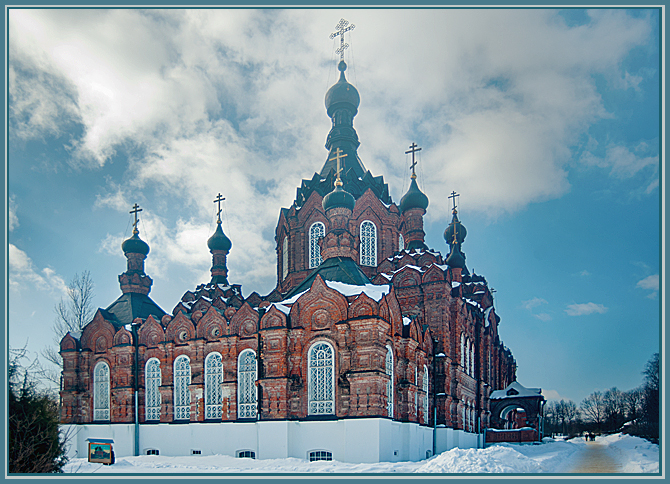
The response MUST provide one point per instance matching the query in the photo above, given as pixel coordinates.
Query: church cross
(338, 156)
(136, 208)
(341, 29)
(218, 200)
(413, 148)
(453, 197)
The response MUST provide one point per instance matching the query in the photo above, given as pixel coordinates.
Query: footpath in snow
(618, 453)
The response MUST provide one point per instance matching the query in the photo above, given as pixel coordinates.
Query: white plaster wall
(350, 440)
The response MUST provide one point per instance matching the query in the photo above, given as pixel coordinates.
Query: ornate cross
(341, 29)
(413, 148)
(136, 208)
(218, 200)
(338, 156)
(453, 196)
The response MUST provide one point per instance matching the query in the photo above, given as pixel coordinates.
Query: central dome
(342, 93)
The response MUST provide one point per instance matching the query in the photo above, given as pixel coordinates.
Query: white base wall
(362, 440)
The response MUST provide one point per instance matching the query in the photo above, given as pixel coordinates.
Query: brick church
(372, 346)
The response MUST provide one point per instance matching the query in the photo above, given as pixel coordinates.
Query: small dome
(414, 198)
(342, 92)
(338, 198)
(219, 241)
(135, 245)
(457, 227)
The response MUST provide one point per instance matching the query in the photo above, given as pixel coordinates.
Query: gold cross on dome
(341, 29)
(218, 200)
(338, 156)
(136, 208)
(413, 148)
(453, 197)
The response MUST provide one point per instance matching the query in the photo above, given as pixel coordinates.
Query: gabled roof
(516, 390)
(130, 306)
(340, 269)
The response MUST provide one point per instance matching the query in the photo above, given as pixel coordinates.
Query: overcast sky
(546, 122)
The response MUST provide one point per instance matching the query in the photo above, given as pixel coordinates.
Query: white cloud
(649, 282)
(23, 275)
(585, 308)
(623, 163)
(543, 317)
(13, 220)
(533, 303)
(585, 273)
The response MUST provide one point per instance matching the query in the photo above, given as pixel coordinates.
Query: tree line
(634, 412)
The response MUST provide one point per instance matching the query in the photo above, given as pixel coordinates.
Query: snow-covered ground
(634, 455)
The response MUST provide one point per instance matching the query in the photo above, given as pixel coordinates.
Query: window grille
(284, 258)
(425, 394)
(213, 375)
(401, 242)
(182, 395)
(320, 455)
(153, 452)
(246, 454)
(321, 379)
(152, 398)
(368, 244)
(389, 383)
(101, 391)
(316, 232)
(247, 375)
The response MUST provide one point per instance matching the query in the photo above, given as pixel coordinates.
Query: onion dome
(456, 259)
(135, 245)
(219, 241)
(342, 93)
(455, 227)
(414, 198)
(339, 197)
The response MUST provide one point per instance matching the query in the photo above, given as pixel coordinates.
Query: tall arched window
(425, 394)
(152, 396)
(182, 395)
(213, 378)
(247, 374)
(472, 359)
(284, 258)
(401, 242)
(321, 379)
(463, 350)
(368, 244)
(316, 232)
(467, 356)
(389, 383)
(101, 391)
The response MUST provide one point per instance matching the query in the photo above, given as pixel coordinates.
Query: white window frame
(101, 392)
(247, 391)
(389, 383)
(284, 258)
(317, 231)
(152, 394)
(368, 255)
(213, 379)
(182, 393)
(321, 398)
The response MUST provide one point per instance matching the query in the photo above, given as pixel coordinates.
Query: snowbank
(634, 453)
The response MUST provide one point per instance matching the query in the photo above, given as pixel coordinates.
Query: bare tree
(651, 398)
(633, 404)
(593, 409)
(615, 408)
(72, 314)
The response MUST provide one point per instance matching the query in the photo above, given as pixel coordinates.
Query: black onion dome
(342, 92)
(219, 241)
(135, 245)
(455, 226)
(456, 259)
(339, 198)
(414, 198)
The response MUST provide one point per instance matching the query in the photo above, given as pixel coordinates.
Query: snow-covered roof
(455, 283)
(406, 320)
(373, 291)
(75, 334)
(515, 390)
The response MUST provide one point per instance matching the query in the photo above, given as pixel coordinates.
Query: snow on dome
(515, 389)
(373, 291)
(455, 284)
(75, 334)
(406, 320)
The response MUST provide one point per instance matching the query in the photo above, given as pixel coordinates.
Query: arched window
(389, 383)
(247, 374)
(401, 242)
(472, 359)
(368, 244)
(467, 356)
(425, 394)
(101, 391)
(316, 232)
(182, 395)
(284, 258)
(321, 379)
(463, 350)
(213, 378)
(152, 396)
